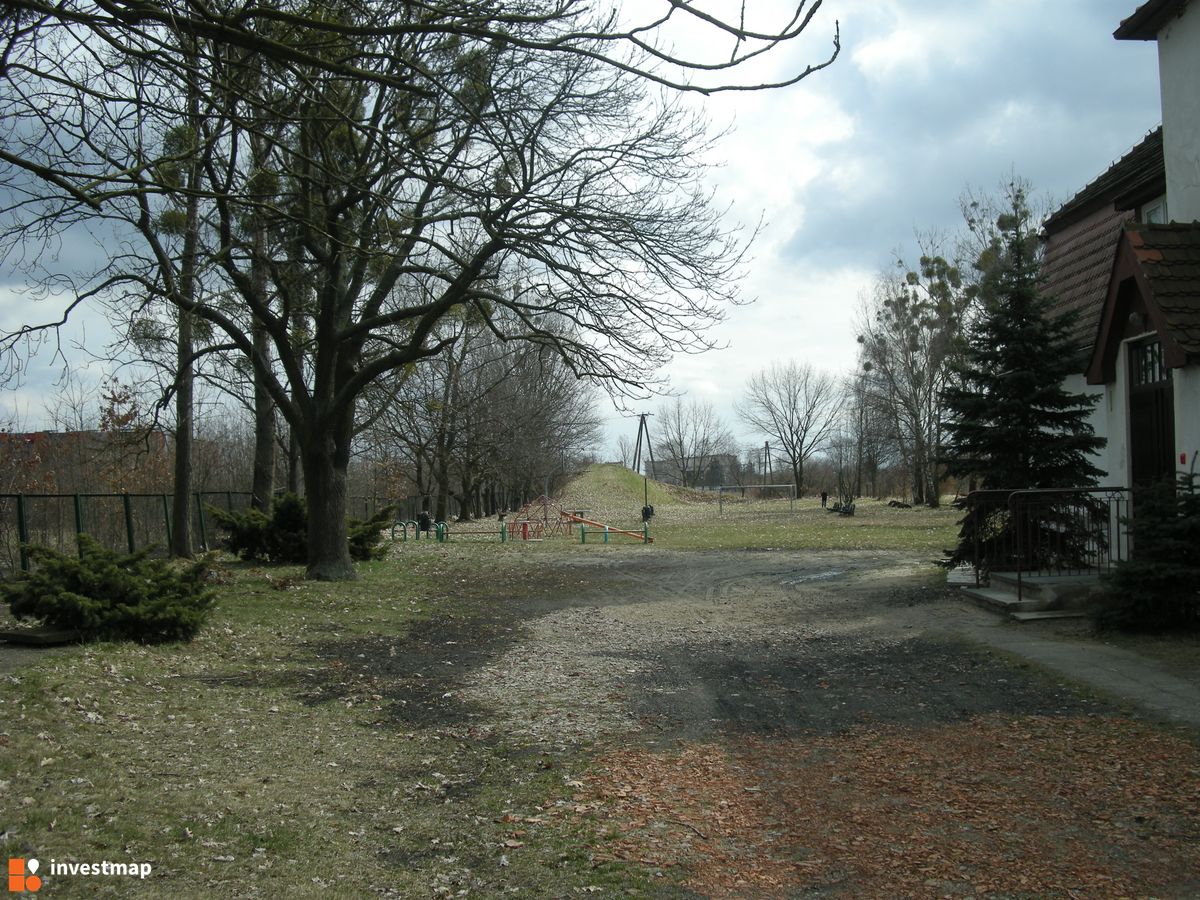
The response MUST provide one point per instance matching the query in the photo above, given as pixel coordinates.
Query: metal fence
(1057, 532)
(121, 522)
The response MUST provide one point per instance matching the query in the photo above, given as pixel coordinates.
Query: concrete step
(1049, 591)
(1068, 601)
(1044, 614)
(1000, 600)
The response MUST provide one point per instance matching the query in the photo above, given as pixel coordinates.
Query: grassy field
(306, 744)
(690, 520)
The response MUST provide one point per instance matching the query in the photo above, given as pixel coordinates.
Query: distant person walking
(824, 499)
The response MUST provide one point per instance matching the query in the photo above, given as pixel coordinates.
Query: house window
(1154, 212)
(1146, 363)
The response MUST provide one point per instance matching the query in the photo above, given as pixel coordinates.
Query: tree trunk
(293, 463)
(262, 487)
(181, 533)
(441, 482)
(181, 506)
(326, 461)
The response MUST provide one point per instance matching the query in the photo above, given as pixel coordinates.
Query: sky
(927, 99)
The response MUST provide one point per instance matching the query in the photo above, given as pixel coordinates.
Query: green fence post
(23, 532)
(606, 534)
(167, 518)
(503, 532)
(582, 533)
(203, 524)
(229, 500)
(127, 503)
(79, 523)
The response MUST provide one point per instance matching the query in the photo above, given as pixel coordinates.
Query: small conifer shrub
(1158, 588)
(105, 595)
(282, 537)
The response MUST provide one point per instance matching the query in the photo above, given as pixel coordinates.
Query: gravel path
(692, 645)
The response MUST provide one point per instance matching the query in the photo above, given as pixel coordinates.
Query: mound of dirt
(615, 495)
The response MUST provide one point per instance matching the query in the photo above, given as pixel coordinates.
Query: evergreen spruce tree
(1010, 424)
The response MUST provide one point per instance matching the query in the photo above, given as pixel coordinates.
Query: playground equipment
(514, 530)
(404, 526)
(606, 530)
(533, 523)
(443, 531)
(523, 530)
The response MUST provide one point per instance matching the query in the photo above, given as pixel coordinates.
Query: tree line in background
(349, 214)
(478, 433)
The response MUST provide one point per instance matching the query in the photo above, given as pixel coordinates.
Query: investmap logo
(23, 876)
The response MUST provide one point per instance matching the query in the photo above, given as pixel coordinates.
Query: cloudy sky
(928, 98)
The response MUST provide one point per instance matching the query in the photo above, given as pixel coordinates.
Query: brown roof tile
(1170, 258)
(1076, 265)
(1137, 176)
(1081, 236)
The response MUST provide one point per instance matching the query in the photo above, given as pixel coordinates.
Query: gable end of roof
(1148, 19)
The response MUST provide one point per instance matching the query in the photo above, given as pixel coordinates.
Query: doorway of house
(1151, 415)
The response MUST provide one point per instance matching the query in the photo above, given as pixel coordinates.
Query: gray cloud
(1052, 97)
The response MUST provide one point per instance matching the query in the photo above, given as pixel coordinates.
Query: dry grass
(277, 753)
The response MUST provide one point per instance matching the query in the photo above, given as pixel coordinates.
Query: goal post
(742, 493)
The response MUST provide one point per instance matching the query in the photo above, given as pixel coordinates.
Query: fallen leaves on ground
(1034, 806)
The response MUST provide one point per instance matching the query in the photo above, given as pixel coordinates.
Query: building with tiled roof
(1155, 288)
(1080, 235)
(1124, 253)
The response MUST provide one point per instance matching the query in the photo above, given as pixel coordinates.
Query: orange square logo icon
(21, 877)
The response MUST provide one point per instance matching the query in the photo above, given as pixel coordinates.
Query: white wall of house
(1187, 412)
(1116, 429)
(1179, 75)
(1179, 78)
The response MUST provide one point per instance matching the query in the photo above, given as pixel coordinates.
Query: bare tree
(687, 438)
(869, 431)
(797, 407)
(418, 152)
(625, 450)
(486, 424)
(909, 336)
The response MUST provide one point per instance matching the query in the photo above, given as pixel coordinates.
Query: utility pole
(767, 455)
(643, 431)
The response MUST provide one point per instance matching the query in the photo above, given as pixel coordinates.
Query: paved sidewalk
(1115, 671)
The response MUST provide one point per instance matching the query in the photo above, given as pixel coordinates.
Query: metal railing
(124, 522)
(1048, 532)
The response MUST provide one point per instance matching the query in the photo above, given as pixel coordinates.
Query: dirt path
(799, 724)
(696, 645)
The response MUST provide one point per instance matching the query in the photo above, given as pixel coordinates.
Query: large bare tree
(797, 407)
(405, 159)
(909, 336)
